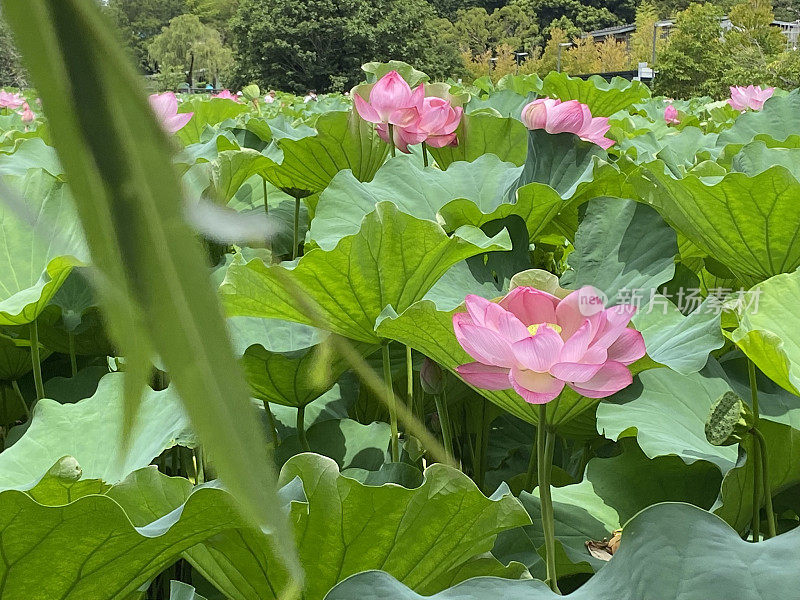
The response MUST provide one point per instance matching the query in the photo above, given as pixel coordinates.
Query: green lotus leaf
(506, 103)
(15, 357)
(481, 134)
(394, 260)
(413, 189)
(756, 157)
(563, 161)
(207, 113)
(347, 527)
(603, 502)
(31, 153)
(749, 224)
(42, 241)
(306, 166)
(183, 591)
(604, 98)
(100, 552)
(666, 412)
(767, 328)
(376, 70)
(622, 248)
(90, 431)
(285, 362)
(654, 559)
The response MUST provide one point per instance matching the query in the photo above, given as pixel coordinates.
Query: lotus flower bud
(431, 377)
(730, 420)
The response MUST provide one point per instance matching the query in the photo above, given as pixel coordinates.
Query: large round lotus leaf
(40, 242)
(749, 224)
(768, 328)
(394, 260)
(669, 550)
(91, 430)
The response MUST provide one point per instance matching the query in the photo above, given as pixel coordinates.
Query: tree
(515, 25)
(472, 30)
(321, 44)
(138, 21)
(216, 13)
(753, 42)
(786, 10)
(188, 45)
(695, 61)
(11, 72)
(641, 42)
(583, 15)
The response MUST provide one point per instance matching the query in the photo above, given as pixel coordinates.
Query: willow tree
(188, 45)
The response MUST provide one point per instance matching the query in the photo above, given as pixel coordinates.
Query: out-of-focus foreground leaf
(154, 285)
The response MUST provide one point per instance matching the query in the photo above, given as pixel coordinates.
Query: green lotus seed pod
(250, 92)
(729, 421)
(66, 469)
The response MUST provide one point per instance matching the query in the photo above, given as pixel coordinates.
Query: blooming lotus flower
(751, 96)
(26, 113)
(555, 116)
(10, 101)
(391, 102)
(671, 115)
(226, 95)
(166, 108)
(536, 344)
(437, 123)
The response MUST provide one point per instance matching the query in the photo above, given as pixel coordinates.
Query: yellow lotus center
(535, 327)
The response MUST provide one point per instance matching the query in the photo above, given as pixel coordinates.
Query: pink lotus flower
(226, 95)
(391, 102)
(10, 101)
(555, 116)
(671, 115)
(536, 344)
(165, 106)
(751, 96)
(26, 113)
(436, 125)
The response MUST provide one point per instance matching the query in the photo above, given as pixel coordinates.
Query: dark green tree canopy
(321, 44)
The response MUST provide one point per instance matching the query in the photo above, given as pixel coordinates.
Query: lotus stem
(409, 379)
(387, 378)
(73, 360)
(761, 482)
(424, 154)
(444, 421)
(545, 442)
(200, 469)
(758, 439)
(273, 429)
(35, 358)
(532, 464)
(482, 448)
(757, 486)
(296, 236)
(15, 387)
(264, 188)
(301, 428)
(392, 149)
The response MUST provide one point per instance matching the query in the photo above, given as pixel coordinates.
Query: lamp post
(560, 47)
(518, 56)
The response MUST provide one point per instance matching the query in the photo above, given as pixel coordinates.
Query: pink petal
(388, 94)
(365, 110)
(482, 344)
(440, 141)
(576, 345)
(575, 308)
(613, 323)
(575, 372)
(628, 348)
(531, 306)
(538, 352)
(535, 388)
(610, 379)
(483, 376)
